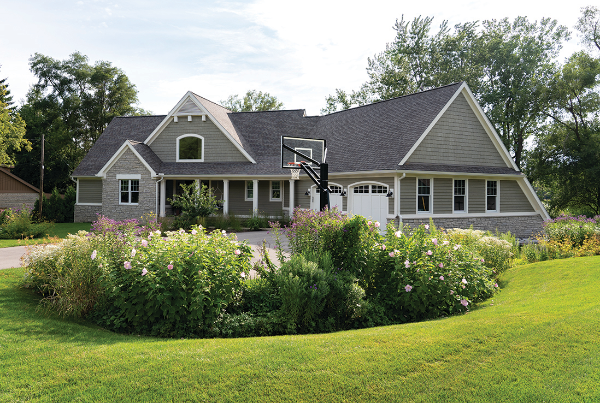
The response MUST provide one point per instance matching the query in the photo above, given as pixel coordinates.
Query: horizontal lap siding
(458, 138)
(476, 195)
(512, 198)
(442, 196)
(408, 195)
(264, 204)
(89, 191)
(9, 184)
(237, 204)
(217, 147)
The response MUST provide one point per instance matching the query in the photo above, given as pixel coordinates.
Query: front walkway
(11, 257)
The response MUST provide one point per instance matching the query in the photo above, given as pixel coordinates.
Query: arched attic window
(190, 148)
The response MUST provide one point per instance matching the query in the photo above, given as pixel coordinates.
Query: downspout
(399, 216)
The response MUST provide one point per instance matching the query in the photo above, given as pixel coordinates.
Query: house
(433, 154)
(15, 193)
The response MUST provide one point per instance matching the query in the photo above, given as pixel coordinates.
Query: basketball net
(295, 173)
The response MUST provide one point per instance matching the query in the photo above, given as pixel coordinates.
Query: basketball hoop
(295, 173)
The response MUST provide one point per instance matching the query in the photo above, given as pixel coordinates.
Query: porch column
(292, 201)
(225, 196)
(255, 196)
(163, 197)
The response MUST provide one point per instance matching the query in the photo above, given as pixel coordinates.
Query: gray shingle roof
(373, 137)
(135, 128)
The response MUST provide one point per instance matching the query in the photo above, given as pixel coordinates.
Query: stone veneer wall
(86, 213)
(128, 164)
(17, 200)
(520, 226)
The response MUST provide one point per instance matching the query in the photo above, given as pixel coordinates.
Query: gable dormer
(195, 132)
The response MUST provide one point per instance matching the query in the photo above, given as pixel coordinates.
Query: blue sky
(300, 52)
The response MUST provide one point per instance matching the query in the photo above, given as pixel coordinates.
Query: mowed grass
(538, 340)
(60, 230)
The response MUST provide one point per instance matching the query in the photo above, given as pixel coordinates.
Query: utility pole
(42, 178)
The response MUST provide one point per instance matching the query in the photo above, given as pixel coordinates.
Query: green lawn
(538, 340)
(59, 230)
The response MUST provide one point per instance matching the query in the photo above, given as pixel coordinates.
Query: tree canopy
(72, 102)
(253, 101)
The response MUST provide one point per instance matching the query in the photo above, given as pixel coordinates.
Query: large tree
(566, 157)
(72, 103)
(12, 128)
(253, 101)
(589, 27)
(506, 64)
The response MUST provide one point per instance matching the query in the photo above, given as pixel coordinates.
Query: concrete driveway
(11, 257)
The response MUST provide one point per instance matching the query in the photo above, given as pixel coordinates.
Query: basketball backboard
(312, 148)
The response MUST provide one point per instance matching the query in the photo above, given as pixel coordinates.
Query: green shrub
(497, 251)
(18, 224)
(58, 208)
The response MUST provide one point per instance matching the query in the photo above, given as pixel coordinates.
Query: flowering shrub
(574, 230)
(175, 286)
(423, 275)
(496, 251)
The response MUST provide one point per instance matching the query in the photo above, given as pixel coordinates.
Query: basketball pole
(324, 182)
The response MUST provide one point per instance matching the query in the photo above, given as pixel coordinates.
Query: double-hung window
(460, 194)
(130, 191)
(492, 196)
(423, 195)
(249, 190)
(275, 190)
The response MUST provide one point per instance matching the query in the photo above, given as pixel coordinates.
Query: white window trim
(497, 210)
(466, 210)
(177, 159)
(430, 211)
(280, 198)
(246, 198)
(129, 176)
(128, 191)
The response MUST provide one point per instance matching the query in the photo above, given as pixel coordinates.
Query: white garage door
(335, 197)
(370, 201)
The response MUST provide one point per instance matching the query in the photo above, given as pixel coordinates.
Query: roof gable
(131, 146)
(460, 135)
(194, 105)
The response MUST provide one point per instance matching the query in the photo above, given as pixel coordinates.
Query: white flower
(398, 234)
(133, 252)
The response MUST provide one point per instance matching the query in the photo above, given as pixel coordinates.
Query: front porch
(242, 197)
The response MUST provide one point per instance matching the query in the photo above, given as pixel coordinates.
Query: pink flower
(391, 254)
(407, 264)
(94, 253)
(243, 275)
(464, 286)
(144, 243)
(383, 247)
(451, 292)
(408, 287)
(237, 251)
(434, 241)
(369, 223)
(442, 278)
(194, 232)
(144, 272)
(496, 285)
(398, 234)
(426, 226)
(446, 243)
(464, 302)
(170, 266)
(377, 224)
(181, 231)
(133, 252)
(464, 281)
(441, 265)
(127, 265)
(429, 253)
(482, 261)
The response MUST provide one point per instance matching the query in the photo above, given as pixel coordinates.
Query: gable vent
(189, 108)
